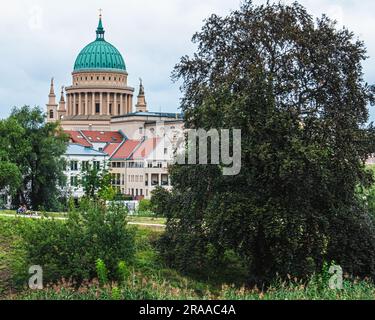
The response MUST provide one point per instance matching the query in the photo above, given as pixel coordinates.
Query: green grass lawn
(148, 220)
(150, 278)
(131, 218)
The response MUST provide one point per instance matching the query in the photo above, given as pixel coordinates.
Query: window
(140, 130)
(85, 165)
(164, 179)
(154, 179)
(165, 150)
(74, 181)
(97, 107)
(51, 114)
(77, 108)
(73, 165)
(110, 108)
(118, 109)
(96, 165)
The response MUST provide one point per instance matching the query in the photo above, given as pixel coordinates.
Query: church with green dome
(99, 90)
(99, 54)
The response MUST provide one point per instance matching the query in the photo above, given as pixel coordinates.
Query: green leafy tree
(37, 155)
(294, 86)
(96, 183)
(11, 144)
(144, 205)
(159, 201)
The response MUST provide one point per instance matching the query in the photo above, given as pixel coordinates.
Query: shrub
(70, 249)
(145, 205)
(159, 201)
(101, 271)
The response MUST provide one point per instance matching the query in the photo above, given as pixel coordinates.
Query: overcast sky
(40, 39)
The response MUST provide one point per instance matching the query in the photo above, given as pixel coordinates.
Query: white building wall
(77, 191)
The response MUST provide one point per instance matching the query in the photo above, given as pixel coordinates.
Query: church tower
(52, 105)
(141, 105)
(62, 108)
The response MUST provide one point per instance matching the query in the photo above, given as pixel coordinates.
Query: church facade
(96, 110)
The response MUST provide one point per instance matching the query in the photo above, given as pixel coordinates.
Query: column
(114, 107)
(93, 102)
(130, 103)
(159, 179)
(79, 103)
(86, 111)
(74, 104)
(101, 103)
(108, 98)
(121, 103)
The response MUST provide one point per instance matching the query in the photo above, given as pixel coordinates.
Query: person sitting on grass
(22, 209)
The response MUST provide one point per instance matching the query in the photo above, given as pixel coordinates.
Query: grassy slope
(151, 279)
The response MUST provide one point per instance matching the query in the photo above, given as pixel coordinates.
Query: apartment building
(78, 158)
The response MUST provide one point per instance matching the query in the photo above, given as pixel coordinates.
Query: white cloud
(41, 39)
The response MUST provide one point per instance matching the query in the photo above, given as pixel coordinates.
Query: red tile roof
(110, 148)
(146, 148)
(77, 137)
(126, 149)
(103, 136)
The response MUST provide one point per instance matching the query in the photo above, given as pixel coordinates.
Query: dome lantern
(100, 30)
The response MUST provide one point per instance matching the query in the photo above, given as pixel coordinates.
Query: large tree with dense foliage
(37, 155)
(10, 142)
(294, 86)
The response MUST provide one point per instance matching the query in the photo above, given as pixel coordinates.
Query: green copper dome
(100, 55)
